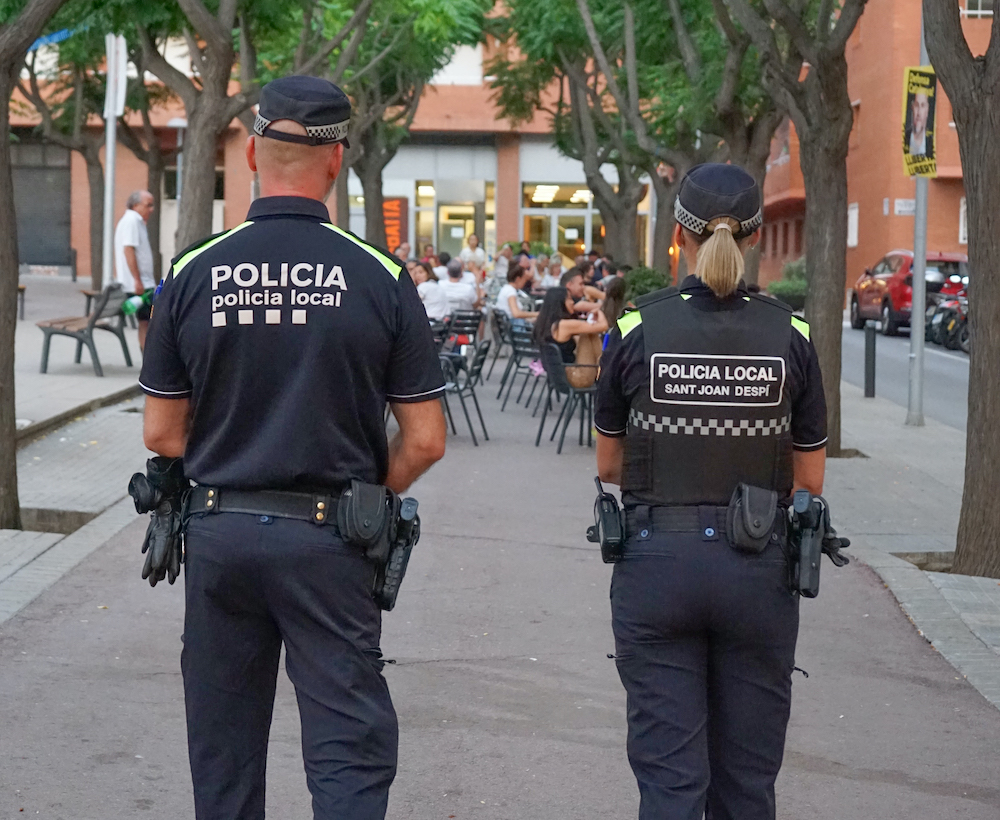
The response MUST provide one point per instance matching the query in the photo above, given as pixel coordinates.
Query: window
(784, 239)
(963, 223)
(855, 138)
(763, 242)
(798, 238)
(852, 225)
(978, 8)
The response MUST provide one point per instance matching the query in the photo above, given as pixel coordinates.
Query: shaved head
(289, 166)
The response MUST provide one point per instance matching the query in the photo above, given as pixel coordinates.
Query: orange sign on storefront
(395, 212)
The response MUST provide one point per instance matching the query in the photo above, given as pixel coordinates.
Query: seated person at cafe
(429, 290)
(512, 299)
(461, 295)
(579, 340)
(552, 273)
(587, 298)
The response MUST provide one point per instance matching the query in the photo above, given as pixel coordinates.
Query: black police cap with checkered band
(317, 105)
(716, 189)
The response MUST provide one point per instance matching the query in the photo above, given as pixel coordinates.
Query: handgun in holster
(812, 535)
(389, 576)
(609, 526)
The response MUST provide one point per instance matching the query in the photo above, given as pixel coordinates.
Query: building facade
(880, 195)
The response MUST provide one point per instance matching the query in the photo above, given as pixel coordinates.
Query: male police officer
(710, 410)
(272, 351)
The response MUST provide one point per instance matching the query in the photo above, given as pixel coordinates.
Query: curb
(936, 620)
(41, 428)
(21, 588)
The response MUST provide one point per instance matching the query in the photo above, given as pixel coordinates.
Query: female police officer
(703, 390)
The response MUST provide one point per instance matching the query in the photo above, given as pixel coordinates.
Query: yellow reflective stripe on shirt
(801, 325)
(685, 296)
(186, 258)
(629, 322)
(387, 263)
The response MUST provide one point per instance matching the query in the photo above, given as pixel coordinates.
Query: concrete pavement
(509, 707)
(66, 385)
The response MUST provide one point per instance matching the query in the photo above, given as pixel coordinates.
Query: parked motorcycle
(956, 326)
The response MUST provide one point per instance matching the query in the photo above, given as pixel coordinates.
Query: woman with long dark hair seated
(579, 340)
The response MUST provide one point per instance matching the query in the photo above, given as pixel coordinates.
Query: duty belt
(648, 519)
(317, 508)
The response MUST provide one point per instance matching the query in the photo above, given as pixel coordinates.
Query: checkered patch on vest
(706, 427)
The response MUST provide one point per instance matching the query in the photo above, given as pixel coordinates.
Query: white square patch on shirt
(272, 317)
(246, 317)
(298, 317)
(219, 319)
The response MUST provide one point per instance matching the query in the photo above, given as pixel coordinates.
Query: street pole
(114, 106)
(918, 303)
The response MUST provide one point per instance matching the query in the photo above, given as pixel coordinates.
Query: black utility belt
(317, 508)
(641, 521)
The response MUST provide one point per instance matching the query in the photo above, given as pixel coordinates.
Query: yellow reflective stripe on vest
(801, 325)
(685, 296)
(186, 258)
(629, 322)
(387, 263)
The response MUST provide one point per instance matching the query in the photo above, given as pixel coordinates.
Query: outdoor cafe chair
(523, 354)
(107, 315)
(559, 385)
(500, 323)
(462, 383)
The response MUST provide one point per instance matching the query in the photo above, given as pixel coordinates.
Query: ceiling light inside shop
(425, 190)
(581, 195)
(544, 193)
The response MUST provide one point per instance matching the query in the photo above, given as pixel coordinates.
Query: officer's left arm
(808, 413)
(165, 426)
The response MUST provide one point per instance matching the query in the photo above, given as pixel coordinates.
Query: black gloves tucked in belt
(160, 492)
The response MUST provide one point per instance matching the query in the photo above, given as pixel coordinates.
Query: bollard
(869, 359)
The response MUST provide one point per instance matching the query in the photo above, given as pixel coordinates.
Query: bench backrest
(108, 304)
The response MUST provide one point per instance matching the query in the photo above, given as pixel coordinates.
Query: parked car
(884, 292)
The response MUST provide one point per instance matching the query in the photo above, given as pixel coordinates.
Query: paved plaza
(509, 706)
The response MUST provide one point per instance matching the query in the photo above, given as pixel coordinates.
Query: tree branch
(357, 20)
(689, 51)
(949, 50)
(792, 24)
(17, 35)
(347, 55)
(215, 31)
(158, 65)
(248, 56)
(850, 13)
(194, 50)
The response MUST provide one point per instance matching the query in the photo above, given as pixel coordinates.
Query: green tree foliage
(384, 68)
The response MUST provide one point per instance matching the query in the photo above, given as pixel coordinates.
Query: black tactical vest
(716, 409)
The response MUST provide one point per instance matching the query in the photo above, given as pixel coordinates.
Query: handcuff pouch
(750, 517)
(366, 517)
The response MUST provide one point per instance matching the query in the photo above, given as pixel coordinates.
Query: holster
(750, 517)
(366, 516)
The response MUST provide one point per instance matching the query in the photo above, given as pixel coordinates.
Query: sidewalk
(66, 385)
(906, 498)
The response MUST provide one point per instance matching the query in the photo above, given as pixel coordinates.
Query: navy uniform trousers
(705, 646)
(251, 584)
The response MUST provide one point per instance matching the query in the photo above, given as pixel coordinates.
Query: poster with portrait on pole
(919, 102)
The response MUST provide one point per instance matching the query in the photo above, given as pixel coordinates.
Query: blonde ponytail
(720, 260)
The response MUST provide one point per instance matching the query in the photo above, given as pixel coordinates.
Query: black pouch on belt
(750, 517)
(367, 516)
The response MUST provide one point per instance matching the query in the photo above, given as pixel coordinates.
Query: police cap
(716, 189)
(316, 104)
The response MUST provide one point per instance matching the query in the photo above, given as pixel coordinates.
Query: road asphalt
(509, 707)
(946, 374)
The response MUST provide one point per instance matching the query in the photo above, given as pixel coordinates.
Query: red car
(884, 292)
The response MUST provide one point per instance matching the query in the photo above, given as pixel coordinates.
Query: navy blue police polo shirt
(289, 335)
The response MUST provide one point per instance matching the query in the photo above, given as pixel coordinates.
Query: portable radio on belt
(609, 526)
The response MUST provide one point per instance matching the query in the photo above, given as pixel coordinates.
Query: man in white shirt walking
(134, 256)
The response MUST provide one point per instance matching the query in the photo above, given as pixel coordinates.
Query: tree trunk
(756, 166)
(620, 213)
(370, 173)
(95, 181)
(154, 182)
(663, 234)
(194, 218)
(824, 171)
(343, 200)
(977, 551)
(10, 511)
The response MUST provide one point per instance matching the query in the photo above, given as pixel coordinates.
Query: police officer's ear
(336, 160)
(251, 152)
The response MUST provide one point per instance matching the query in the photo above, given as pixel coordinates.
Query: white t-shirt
(469, 278)
(434, 298)
(461, 296)
(131, 233)
(503, 300)
(549, 281)
(441, 272)
(500, 268)
(468, 255)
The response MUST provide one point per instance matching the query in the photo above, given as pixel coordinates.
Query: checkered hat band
(697, 225)
(336, 131)
(707, 427)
